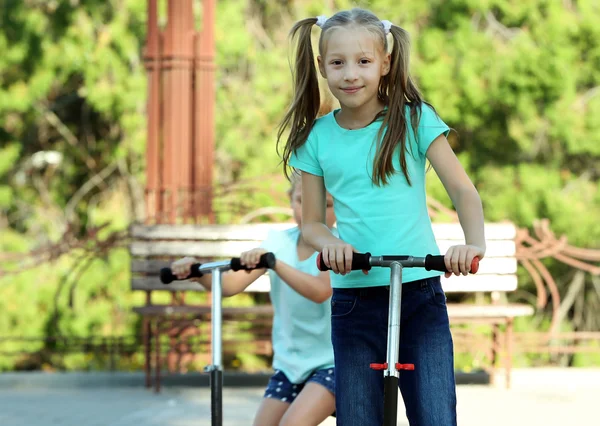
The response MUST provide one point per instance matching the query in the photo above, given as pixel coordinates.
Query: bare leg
(313, 405)
(270, 412)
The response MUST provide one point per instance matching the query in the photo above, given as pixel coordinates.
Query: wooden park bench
(497, 275)
(153, 247)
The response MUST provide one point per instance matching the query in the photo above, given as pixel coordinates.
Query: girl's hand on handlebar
(338, 257)
(183, 267)
(251, 258)
(458, 259)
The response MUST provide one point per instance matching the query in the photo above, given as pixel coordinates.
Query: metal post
(203, 126)
(180, 63)
(393, 343)
(216, 369)
(216, 319)
(391, 373)
(152, 58)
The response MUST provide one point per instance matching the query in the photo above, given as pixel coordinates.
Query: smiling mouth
(351, 89)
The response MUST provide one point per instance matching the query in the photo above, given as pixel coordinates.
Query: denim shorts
(281, 388)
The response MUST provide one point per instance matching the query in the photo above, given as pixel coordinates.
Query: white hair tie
(321, 19)
(387, 25)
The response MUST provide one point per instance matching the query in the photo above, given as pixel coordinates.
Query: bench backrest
(154, 247)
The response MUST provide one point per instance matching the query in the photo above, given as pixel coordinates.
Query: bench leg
(508, 336)
(157, 357)
(494, 355)
(146, 331)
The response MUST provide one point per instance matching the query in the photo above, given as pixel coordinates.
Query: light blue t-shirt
(301, 327)
(382, 220)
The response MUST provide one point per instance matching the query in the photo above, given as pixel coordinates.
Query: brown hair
(396, 91)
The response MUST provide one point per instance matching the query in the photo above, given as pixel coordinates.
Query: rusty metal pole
(204, 133)
(177, 100)
(181, 95)
(152, 61)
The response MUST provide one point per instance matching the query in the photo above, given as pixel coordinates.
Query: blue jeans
(359, 334)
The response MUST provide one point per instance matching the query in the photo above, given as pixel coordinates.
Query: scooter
(215, 369)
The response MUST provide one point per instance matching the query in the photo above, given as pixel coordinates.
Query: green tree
(517, 80)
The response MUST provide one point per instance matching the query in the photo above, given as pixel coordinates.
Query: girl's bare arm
(232, 282)
(315, 288)
(314, 230)
(466, 201)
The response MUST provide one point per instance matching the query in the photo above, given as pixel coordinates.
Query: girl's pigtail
(396, 89)
(306, 98)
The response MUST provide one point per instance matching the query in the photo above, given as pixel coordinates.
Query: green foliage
(519, 81)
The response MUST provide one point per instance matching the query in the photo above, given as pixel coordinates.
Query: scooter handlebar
(267, 260)
(361, 261)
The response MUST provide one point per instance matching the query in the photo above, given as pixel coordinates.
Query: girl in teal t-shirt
(371, 156)
(302, 389)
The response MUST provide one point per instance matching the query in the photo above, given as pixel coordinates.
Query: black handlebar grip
(360, 261)
(267, 260)
(436, 263)
(167, 277)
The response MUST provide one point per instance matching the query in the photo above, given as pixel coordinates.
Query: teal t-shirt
(301, 327)
(382, 220)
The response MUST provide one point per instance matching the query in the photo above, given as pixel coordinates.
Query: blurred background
(118, 113)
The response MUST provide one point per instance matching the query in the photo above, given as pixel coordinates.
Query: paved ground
(538, 397)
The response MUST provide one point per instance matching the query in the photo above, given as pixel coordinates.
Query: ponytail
(396, 89)
(306, 102)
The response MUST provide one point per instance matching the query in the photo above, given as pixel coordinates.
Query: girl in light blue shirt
(302, 389)
(371, 155)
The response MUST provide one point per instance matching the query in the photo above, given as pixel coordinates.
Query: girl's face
(353, 63)
(296, 202)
